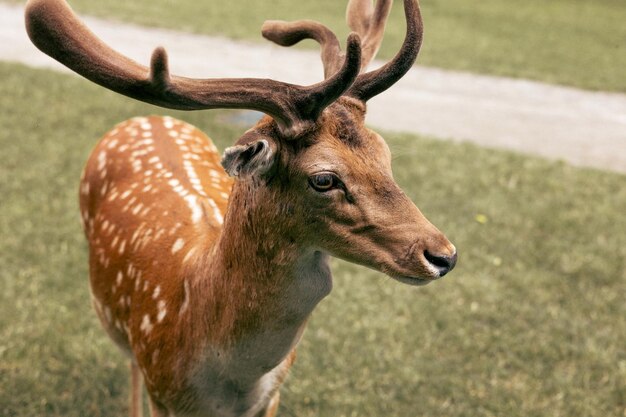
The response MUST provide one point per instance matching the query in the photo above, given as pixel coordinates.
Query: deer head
(311, 165)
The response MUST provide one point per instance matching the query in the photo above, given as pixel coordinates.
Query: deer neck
(260, 283)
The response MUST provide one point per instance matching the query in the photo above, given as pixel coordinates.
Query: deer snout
(443, 263)
(438, 255)
(433, 253)
(427, 260)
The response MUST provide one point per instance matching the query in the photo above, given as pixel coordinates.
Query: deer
(204, 268)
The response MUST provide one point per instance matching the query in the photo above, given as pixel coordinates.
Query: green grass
(531, 323)
(573, 42)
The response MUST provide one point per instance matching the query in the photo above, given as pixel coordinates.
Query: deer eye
(324, 182)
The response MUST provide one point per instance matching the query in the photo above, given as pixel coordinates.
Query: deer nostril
(443, 264)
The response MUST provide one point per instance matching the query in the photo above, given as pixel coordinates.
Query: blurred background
(532, 322)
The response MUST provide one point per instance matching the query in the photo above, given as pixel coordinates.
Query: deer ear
(250, 159)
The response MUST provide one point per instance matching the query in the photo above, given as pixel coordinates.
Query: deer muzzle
(422, 252)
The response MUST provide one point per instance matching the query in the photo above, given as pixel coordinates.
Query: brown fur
(268, 224)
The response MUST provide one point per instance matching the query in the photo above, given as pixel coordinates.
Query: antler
(56, 30)
(375, 82)
(289, 33)
(369, 22)
(362, 18)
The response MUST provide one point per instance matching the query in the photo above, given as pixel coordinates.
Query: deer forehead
(366, 157)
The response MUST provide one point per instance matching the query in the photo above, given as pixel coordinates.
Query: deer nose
(442, 263)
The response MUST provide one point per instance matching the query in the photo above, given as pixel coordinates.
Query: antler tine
(375, 82)
(364, 19)
(56, 30)
(289, 33)
(359, 15)
(369, 23)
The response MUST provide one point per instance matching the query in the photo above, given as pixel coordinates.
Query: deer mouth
(414, 281)
(417, 279)
(422, 275)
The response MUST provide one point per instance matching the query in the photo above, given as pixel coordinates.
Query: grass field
(573, 42)
(531, 323)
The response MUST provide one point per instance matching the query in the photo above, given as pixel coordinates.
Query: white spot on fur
(113, 196)
(159, 233)
(196, 209)
(137, 208)
(107, 314)
(135, 234)
(156, 292)
(185, 304)
(168, 123)
(162, 311)
(112, 144)
(178, 245)
(104, 188)
(102, 160)
(189, 255)
(137, 165)
(146, 325)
